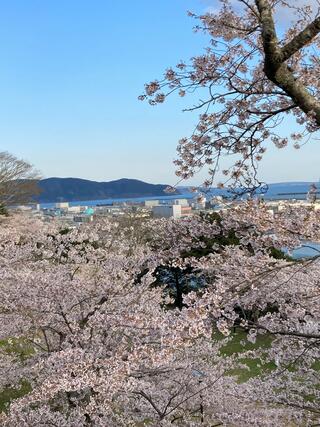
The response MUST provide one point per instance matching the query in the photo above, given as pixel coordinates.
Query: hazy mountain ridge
(77, 189)
(277, 190)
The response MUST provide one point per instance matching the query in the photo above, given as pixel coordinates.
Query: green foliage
(278, 254)
(17, 346)
(64, 231)
(8, 394)
(247, 367)
(3, 210)
(22, 349)
(239, 343)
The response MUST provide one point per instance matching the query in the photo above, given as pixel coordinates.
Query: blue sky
(70, 75)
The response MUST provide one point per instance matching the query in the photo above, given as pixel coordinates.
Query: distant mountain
(76, 189)
(280, 190)
(292, 190)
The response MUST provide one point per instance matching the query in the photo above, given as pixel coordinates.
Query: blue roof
(89, 211)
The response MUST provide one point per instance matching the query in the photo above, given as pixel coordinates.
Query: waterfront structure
(74, 209)
(181, 202)
(151, 203)
(62, 205)
(167, 211)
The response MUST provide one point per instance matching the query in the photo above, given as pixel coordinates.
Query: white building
(181, 202)
(62, 205)
(76, 209)
(151, 203)
(167, 211)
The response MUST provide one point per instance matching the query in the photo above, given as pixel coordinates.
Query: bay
(121, 200)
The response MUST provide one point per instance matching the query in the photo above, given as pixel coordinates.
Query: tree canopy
(18, 181)
(88, 340)
(84, 343)
(261, 66)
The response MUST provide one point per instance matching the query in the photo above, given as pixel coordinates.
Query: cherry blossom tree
(99, 347)
(97, 344)
(261, 66)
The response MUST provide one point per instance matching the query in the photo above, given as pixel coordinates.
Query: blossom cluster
(99, 345)
(257, 70)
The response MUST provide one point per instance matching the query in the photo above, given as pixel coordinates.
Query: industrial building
(167, 211)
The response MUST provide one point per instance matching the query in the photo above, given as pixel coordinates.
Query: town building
(62, 205)
(151, 203)
(167, 211)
